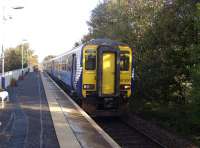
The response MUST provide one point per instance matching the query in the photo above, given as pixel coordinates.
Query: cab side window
(124, 61)
(90, 60)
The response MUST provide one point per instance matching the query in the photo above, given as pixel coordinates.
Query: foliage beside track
(166, 39)
(13, 57)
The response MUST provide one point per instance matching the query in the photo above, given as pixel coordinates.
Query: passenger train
(99, 73)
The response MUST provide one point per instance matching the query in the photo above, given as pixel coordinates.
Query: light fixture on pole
(18, 7)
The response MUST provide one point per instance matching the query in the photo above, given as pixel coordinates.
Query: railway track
(124, 135)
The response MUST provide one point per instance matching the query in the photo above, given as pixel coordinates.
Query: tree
(33, 60)
(47, 58)
(13, 57)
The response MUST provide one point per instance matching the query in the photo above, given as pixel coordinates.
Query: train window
(70, 62)
(63, 66)
(67, 63)
(124, 61)
(90, 62)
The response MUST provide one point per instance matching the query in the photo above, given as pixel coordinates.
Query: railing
(15, 74)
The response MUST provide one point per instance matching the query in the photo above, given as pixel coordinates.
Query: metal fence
(12, 75)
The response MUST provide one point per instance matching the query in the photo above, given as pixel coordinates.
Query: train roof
(67, 52)
(107, 42)
(100, 41)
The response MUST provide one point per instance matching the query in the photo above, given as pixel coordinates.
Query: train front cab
(106, 84)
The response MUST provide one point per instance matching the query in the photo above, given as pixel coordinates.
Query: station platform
(74, 128)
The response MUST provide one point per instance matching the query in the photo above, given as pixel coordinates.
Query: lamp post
(22, 61)
(4, 19)
(22, 49)
(2, 74)
(27, 57)
(22, 58)
(2, 54)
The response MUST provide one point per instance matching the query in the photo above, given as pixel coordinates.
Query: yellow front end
(90, 62)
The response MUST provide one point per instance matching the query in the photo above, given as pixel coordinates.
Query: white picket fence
(12, 74)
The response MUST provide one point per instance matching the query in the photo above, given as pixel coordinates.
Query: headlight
(88, 86)
(125, 87)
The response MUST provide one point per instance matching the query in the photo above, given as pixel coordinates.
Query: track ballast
(124, 135)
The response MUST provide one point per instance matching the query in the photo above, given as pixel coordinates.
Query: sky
(51, 27)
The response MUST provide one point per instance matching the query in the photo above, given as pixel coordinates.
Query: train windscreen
(90, 62)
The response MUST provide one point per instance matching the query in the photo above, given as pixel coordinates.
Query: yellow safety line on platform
(64, 133)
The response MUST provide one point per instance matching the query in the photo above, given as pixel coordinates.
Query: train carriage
(99, 73)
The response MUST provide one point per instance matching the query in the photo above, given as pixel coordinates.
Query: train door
(73, 70)
(108, 73)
